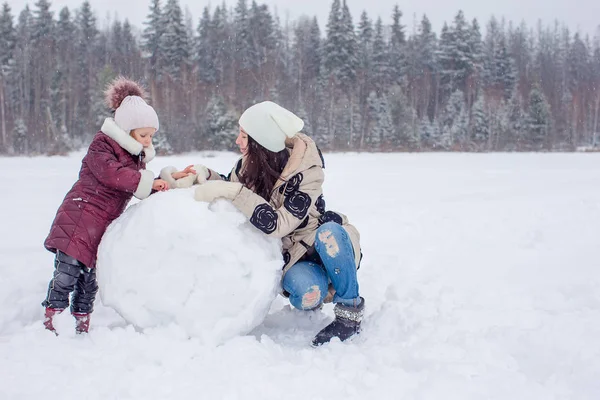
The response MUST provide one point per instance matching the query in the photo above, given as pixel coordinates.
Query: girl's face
(242, 141)
(143, 135)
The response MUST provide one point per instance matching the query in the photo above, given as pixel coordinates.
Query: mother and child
(276, 184)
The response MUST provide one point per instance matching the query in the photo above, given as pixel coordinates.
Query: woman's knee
(330, 239)
(307, 285)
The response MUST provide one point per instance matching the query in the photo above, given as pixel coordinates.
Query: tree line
(363, 85)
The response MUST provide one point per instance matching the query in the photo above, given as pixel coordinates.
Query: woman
(277, 184)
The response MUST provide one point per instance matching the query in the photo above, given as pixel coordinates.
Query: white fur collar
(112, 130)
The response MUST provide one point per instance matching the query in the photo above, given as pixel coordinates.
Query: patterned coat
(297, 206)
(112, 171)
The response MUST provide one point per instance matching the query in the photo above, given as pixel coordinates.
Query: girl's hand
(160, 185)
(189, 170)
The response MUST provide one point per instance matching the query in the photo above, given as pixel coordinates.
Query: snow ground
(481, 277)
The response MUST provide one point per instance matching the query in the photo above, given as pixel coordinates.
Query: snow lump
(172, 260)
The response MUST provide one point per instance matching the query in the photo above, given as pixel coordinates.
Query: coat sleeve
(232, 177)
(299, 195)
(103, 163)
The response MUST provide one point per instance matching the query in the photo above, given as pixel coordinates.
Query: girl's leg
(66, 272)
(307, 284)
(337, 254)
(85, 292)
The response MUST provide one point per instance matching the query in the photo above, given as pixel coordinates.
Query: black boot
(345, 325)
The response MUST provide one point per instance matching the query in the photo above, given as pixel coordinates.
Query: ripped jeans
(308, 282)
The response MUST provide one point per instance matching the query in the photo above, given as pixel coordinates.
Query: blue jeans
(308, 282)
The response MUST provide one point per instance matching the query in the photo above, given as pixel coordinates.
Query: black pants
(70, 275)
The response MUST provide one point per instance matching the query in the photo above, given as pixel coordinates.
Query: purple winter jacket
(112, 171)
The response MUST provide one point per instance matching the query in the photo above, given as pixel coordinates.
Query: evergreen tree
(131, 52)
(457, 56)
(173, 44)
(20, 137)
(205, 52)
(221, 124)
(86, 80)
(480, 124)
(539, 121)
(152, 37)
(397, 46)
(381, 60)
(7, 36)
(349, 59)
(7, 46)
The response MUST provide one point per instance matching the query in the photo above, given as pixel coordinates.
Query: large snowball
(171, 259)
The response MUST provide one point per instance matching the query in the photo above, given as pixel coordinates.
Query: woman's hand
(213, 190)
(189, 170)
(159, 185)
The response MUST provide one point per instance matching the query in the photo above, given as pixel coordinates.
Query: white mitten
(166, 175)
(201, 173)
(200, 177)
(212, 190)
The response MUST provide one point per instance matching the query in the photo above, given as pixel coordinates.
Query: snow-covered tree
(480, 124)
(151, 37)
(397, 47)
(173, 44)
(221, 125)
(7, 35)
(20, 138)
(540, 118)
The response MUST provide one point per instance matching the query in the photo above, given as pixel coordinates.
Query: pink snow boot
(49, 315)
(82, 322)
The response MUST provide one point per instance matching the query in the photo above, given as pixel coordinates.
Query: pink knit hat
(125, 97)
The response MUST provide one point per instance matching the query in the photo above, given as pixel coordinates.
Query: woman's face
(143, 135)
(242, 141)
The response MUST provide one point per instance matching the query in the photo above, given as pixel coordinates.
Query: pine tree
(43, 24)
(99, 108)
(349, 64)
(539, 120)
(365, 42)
(132, 55)
(243, 43)
(173, 44)
(20, 137)
(381, 60)
(7, 36)
(306, 59)
(161, 143)
(23, 60)
(152, 37)
(221, 124)
(454, 122)
(87, 34)
(423, 70)
(7, 46)
(480, 124)
(42, 36)
(374, 138)
(456, 55)
(397, 47)
(205, 52)
(333, 42)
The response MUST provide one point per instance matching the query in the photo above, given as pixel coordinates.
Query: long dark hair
(262, 168)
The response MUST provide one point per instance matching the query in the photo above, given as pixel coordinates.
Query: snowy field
(481, 276)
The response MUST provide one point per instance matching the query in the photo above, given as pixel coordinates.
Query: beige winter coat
(296, 207)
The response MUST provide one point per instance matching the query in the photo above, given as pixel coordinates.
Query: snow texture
(480, 272)
(173, 260)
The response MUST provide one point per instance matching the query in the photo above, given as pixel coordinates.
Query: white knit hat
(134, 113)
(270, 125)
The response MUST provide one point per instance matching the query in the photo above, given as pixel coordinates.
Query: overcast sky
(582, 15)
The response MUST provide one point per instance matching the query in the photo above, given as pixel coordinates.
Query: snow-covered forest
(364, 83)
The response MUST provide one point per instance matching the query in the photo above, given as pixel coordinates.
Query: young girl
(113, 170)
(277, 184)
